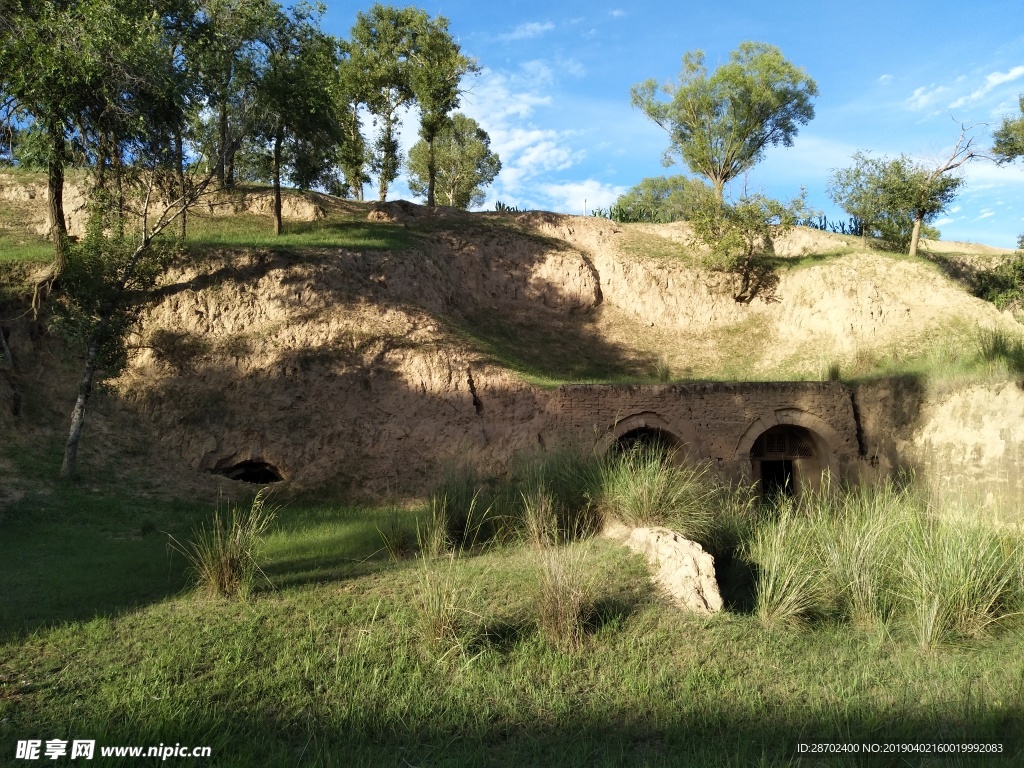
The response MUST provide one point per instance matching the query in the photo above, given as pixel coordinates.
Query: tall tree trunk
(222, 139)
(915, 236)
(55, 189)
(431, 170)
(118, 168)
(719, 185)
(179, 167)
(277, 183)
(102, 155)
(229, 165)
(67, 468)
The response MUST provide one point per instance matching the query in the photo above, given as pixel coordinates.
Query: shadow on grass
(441, 731)
(556, 347)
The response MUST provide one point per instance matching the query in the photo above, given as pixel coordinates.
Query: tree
(435, 78)
(741, 239)
(720, 125)
(380, 47)
(350, 92)
(231, 51)
(107, 281)
(462, 160)
(858, 191)
(897, 199)
(662, 199)
(84, 77)
(293, 101)
(1009, 137)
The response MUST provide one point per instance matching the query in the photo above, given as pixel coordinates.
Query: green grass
(335, 231)
(549, 349)
(18, 246)
(499, 656)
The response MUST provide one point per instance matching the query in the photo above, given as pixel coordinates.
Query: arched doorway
(785, 460)
(647, 438)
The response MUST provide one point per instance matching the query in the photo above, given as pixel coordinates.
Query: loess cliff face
(373, 370)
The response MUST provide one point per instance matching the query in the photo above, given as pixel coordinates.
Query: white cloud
(572, 67)
(985, 213)
(943, 221)
(504, 103)
(528, 30)
(573, 196)
(992, 81)
(538, 72)
(885, 79)
(497, 96)
(925, 96)
(618, 13)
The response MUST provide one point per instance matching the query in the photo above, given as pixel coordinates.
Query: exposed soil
(373, 370)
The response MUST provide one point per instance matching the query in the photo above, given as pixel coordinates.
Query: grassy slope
(329, 668)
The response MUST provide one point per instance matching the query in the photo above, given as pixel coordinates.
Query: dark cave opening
(252, 471)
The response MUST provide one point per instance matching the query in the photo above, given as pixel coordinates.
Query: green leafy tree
(230, 52)
(858, 190)
(1009, 137)
(897, 199)
(741, 238)
(350, 92)
(663, 199)
(381, 44)
(294, 107)
(436, 76)
(721, 124)
(107, 281)
(462, 160)
(91, 81)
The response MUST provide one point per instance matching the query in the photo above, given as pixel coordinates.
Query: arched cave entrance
(787, 459)
(650, 438)
(252, 471)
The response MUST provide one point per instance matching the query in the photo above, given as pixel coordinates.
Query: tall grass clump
(460, 514)
(861, 536)
(790, 577)
(397, 535)
(1001, 350)
(223, 556)
(566, 598)
(557, 496)
(644, 486)
(441, 600)
(875, 556)
(961, 578)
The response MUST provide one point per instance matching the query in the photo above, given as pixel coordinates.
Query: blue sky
(893, 77)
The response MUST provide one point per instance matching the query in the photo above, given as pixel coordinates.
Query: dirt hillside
(372, 370)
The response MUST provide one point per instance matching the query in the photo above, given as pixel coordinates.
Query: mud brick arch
(718, 422)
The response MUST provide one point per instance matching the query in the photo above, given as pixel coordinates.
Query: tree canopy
(463, 162)
(1009, 137)
(662, 199)
(895, 199)
(719, 125)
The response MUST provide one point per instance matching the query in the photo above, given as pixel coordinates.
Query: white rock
(681, 567)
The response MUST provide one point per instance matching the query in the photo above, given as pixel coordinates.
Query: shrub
(224, 555)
